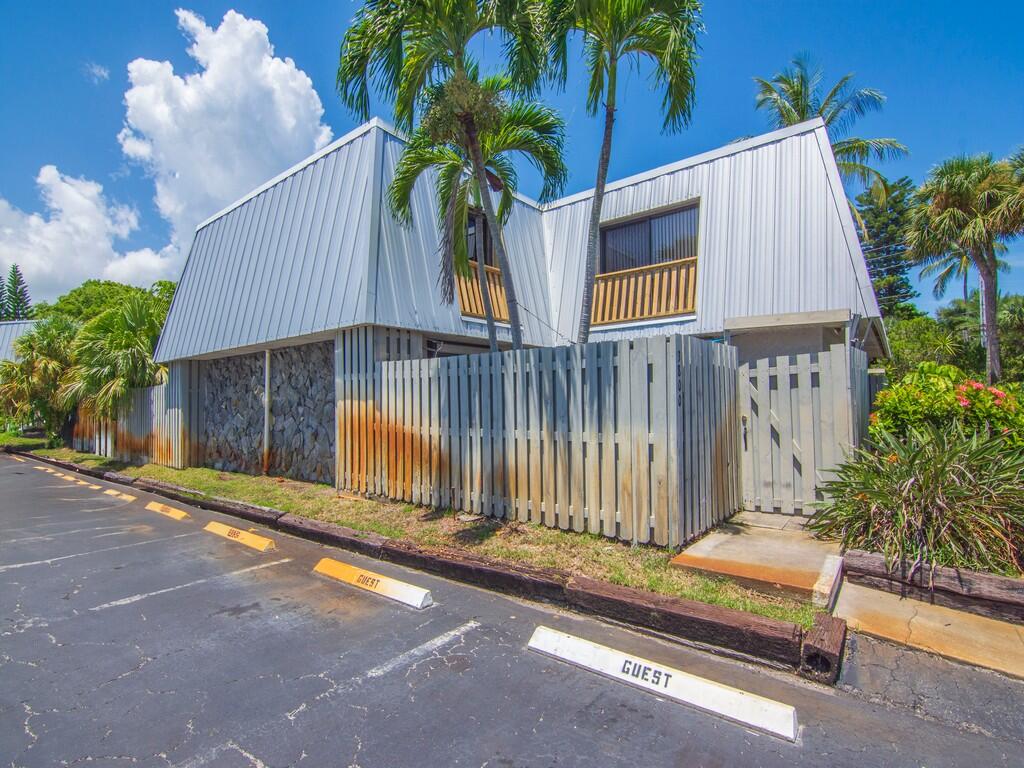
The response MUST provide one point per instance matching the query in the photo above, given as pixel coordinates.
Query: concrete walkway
(771, 553)
(958, 635)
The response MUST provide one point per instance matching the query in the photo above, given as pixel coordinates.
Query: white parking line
(414, 654)
(48, 536)
(144, 595)
(65, 521)
(748, 709)
(50, 561)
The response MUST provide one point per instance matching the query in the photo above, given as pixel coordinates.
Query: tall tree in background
(406, 47)
(886, 247)
(94, 297)
(660, 32)
(523, 128)
(16, 302)
(960, 210)
(798, 93)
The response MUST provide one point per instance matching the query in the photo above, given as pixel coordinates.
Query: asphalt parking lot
(131, 638)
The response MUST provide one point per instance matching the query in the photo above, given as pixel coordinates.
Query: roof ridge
(687, 162)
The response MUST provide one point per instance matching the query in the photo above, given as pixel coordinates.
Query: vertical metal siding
(9, 332)
(155, 427)
(772, 237)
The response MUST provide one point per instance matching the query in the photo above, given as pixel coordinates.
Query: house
(11, 331)
(756, 229)
(309, 279)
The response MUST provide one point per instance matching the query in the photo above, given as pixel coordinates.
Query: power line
(541, 321)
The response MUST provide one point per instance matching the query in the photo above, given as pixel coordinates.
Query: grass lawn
(22, 443)
(578, 553)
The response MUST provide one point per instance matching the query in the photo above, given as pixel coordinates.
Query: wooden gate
(800, 416)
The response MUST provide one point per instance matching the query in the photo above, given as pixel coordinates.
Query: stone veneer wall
(302, 412)
(233, 413)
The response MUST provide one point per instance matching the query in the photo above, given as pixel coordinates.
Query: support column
(266, 412)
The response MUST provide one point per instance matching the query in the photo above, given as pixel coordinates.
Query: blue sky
(953, 80)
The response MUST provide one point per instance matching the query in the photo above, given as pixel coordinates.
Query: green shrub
(937, 496)
(942, 395)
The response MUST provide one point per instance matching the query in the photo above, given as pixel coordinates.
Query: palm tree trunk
(477, 158)
(485, 292)
(989, 292)
(594, 233)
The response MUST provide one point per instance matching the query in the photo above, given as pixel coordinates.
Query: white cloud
(76, 239)
(209, 137)
(96, 72)
(205, 138)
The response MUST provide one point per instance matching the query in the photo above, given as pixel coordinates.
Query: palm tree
(662, 32)
(29, 384)
(955, 264)
(406, 47)
(113, 354)
(797, 94)
(532, 130)
(1011, 212)
(960, 209)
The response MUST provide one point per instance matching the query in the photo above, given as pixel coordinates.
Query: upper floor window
(476, 226)
(653, 240)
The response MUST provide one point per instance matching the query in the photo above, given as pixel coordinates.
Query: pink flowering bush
(942, 395)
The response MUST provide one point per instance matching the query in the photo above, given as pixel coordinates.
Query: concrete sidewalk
(958, 635)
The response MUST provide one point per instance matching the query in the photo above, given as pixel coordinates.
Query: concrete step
(953, 634)
(768, 556)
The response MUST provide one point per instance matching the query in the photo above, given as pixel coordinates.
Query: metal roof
(316, 249)
(9, 332)
(288, 260)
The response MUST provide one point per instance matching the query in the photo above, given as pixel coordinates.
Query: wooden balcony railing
(645, 293)
(470, 299)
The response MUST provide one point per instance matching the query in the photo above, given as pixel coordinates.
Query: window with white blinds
(654, 240)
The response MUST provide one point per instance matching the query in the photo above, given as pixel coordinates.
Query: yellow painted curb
(163, 509)
(69, 478)
(18, 458)
(36, 466)
(51, 471)
(261, 543)
(94, 487)
(81, 482)
(122, 496)
(409, 594)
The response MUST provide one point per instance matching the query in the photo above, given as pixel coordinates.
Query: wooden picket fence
(800, 416)
(635, 439)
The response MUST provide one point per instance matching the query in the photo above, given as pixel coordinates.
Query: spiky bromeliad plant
(935, 496)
